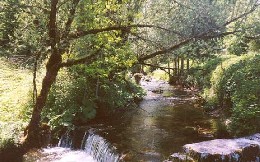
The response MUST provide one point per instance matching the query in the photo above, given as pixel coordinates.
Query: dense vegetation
(231, 83)
(73, 59)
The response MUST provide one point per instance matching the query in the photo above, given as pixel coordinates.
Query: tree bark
(182, 67)
(33, 135)
(188, 65)
(175, 66)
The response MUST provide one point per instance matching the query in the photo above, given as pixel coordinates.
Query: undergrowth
(232, 84)
(15, 88)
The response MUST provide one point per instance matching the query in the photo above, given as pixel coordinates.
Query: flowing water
(58, 154)
(94, 148)
(164, 121)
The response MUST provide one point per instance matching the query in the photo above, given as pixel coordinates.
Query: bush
(234, 86)
(218, 90)
(10, 150)
(81, 93)
(244, 89)
(200, 75)
(237, 89)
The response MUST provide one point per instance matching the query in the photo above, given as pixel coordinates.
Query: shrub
(200, 75)
(234, 86)
(10, 151)
(81, 92)
(218, 94)
(244, 89)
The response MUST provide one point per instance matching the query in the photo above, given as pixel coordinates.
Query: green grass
(160, 74)
(15, 88)
(15, 85)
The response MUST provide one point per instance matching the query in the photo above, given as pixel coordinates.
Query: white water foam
(59, 154)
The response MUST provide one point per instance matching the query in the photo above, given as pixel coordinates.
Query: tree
(63, 32)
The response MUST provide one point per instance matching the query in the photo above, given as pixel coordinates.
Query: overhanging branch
(79, 34)
(84, 60)
(242, 15)
(166, 50)
(203, 36)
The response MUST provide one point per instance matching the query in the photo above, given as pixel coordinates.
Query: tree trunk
(178, 65)
(182, 67)
(188, 65)
(33, 133)
(169, 66)
(175, 66)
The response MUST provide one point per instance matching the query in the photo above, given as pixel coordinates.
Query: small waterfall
(65, 140)
(94, 145)
(100, 149)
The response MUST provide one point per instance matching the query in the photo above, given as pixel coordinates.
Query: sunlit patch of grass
(15, 96)
(15, 85)
(160, 74)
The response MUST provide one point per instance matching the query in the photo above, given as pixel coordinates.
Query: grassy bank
(15, 86)
(231, 83)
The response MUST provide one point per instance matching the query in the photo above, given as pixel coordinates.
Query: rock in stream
(246, 149)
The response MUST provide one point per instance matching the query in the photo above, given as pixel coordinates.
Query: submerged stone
(190, 131)
(179, 157)
(240, 149)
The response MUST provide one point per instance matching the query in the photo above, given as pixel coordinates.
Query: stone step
(246, 149)
(240, 149)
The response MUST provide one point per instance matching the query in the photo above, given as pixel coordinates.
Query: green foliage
(200, 75)
(81, 92)
(160, 74)
(10, 132)
(6, 143)
(15, 88)
(9, 20)
(218, 79)
(15, 95)
(10, 151)
(67, 99)
(234, 86)
(243, 87)
(238, 46)
(220, 128)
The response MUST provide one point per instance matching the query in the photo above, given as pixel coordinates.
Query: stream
(164, 121)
